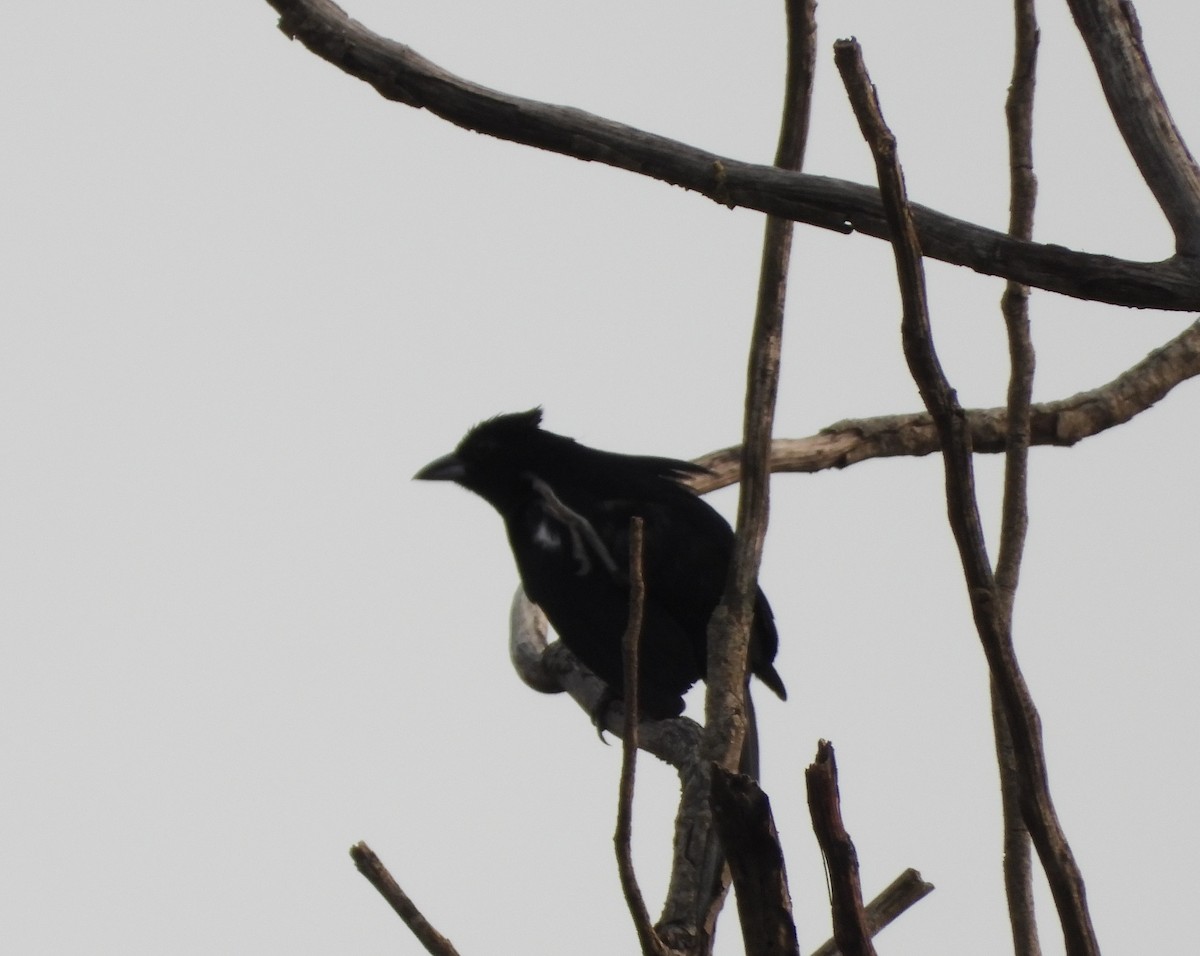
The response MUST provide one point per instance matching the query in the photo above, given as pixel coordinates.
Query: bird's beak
(446, 468)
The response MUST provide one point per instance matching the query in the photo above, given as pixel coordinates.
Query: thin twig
(370, 866)
(622, 838)
(850, 929)
(1015, 304)
(1058, 862)
(1014, 521)
(401, 74)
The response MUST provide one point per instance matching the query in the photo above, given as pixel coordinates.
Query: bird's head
(495, 458)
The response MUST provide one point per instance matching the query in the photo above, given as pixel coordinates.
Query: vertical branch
(652, 945)
(850, 929)
(725, 710)
(743, 817)
(729, 633)
(1014, 304)
(1037, 807)
(1018, 862)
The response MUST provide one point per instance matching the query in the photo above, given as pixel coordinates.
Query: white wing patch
(546, 537)
(583, 536)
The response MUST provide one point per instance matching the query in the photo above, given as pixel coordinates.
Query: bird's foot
(603, 710)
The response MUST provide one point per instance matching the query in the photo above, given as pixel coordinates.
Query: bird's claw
(600, 713)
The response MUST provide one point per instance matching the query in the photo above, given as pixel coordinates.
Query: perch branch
(370, 866)
(676, 742)
(401, 74)
(1058, 862)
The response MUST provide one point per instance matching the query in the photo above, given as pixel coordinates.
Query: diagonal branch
(903, 892)
(1058, 862)
(1063, 422)
(401, 74)
(1113, 36)
(370, 866)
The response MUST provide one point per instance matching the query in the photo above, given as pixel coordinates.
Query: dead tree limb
(1113, 36)
(903, 892)
(1058, 862)
(370, 866)
(1017, 861)
(1063, 422)
(747, 829)
(729, 630)
(401, 74)
(850, 929)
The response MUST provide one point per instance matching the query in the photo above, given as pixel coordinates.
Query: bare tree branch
(1017, 863)
(850, 928)
(1063, 422)
(1058, 862)
(1015, 303)
(729, 631)
(399, 73)
(553, 668)
(370, 866)
(1113, 36)
(727, 712)
(1014, 520)
(903, 892)
(743, 816)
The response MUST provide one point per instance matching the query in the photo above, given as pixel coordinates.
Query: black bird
(567, 510)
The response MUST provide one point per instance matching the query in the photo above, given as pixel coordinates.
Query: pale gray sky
(243, 299)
